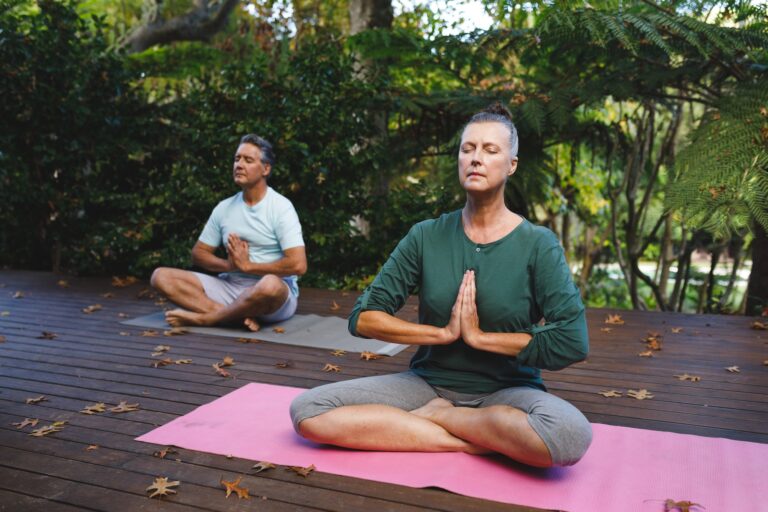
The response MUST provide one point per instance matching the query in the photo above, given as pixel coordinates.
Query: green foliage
(722, 174)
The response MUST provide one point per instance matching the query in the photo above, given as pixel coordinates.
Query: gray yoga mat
(302, 330)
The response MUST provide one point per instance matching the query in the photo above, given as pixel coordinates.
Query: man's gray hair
(267, 153)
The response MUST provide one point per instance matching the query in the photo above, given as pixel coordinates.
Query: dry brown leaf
(59, 423)
(680, 506)
(338, 353)
(63, 283)
(2, 339)
(91, 447)
(149, 333)
(94, 408)
(176, 331)
(248, 340)
(48, 429)
(606, 329)
(146, 293)
(301, 471)
(685, 376)
(228, 361)
(122, 282)
(28, 422)
(33, 401)
(283, 364)
(162, 348)
(233, 486)
(676, 330)
(168, 450)
(733, 369)
(162, 487)
(262, 466)
(124, 407)
(335, 306)
(331, 368)
(47, 335)
(161, 362)
(614, 320)
(641, 394)
(759, 326)
(610, 394)
(279, 330)
(219, 370)
(18, 295)
(647, 353)
(183, 361)
(90, 309)
(369, 356)
(124, 333)
(108, 295)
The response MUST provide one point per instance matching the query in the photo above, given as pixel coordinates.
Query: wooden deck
(90, 361)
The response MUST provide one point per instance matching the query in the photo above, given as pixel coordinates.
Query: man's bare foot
(251, 324)
(179, 317)
(432, 408)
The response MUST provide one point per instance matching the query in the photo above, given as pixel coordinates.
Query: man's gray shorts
(563, 428)
(225, 288)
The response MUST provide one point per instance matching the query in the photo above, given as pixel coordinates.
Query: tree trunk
(757, 289)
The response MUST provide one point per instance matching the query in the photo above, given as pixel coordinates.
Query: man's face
(247, 169)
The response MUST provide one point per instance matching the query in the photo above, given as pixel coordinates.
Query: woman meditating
(486, 279)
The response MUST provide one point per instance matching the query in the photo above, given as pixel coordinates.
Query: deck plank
(91, 361)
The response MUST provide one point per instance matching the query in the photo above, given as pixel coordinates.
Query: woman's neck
(487, 221)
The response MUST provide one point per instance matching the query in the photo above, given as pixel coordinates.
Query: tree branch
(199, 24)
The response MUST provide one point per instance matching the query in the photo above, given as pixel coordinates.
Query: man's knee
(160, 277)
(270, 288)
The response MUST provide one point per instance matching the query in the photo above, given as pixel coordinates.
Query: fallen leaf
(44, 431)
(641, 394)
(162, 348)
(335, 306)
(219, 370)
(165, 451)
(162, 487)
(108, 295)
(338, 353)
(58, 424)
(248, 340)
(90, 309)
(2, 339)
(124, 333)
(279, 330)
(301, 471)
(5, 313)
(610, 394)
(685, 376)
(606, 329)
(228, 361)
(122, 282)
(183, 361)
(124, 407)
(283, 364)
(94, 408)
(654, 341)
(149, 333)
(161, 301)
(63, 283)
(123, 315)
(759, 326)
(369, 356)
(28, 422)
(18, 295)
(231, 487)
(161, 362)
(262, 466)
(733, 369)
(176, 331)
(677, 330)
(614, 320)
(47, 335)
(680, 506)
(146, 292)
(91, 447)
(647, 353)
(331, 368)
(33, 401)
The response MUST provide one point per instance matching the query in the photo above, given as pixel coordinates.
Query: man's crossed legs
(209, 300)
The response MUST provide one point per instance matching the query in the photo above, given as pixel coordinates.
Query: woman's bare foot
(179, 317)
(251, 324)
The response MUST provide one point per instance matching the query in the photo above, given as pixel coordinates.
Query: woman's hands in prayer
(470, 321)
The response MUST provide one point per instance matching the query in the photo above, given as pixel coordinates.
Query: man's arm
(293, 262)
(204, 256)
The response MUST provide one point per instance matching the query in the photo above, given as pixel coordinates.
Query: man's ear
(267, 170)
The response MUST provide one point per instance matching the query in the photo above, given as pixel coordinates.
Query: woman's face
(485, 161)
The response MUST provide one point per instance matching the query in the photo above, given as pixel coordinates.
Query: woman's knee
(567, 435)
(309, 405)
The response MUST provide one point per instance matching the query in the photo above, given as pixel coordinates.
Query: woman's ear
(512, 166)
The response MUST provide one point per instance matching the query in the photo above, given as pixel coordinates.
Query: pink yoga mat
(624, 470)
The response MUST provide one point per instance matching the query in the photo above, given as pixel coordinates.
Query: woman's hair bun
(498, 109)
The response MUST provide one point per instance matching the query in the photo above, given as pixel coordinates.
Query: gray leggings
(563, 428)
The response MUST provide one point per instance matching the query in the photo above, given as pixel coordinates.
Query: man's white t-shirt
(270, 227)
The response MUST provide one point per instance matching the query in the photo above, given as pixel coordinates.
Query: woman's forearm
(383, 326)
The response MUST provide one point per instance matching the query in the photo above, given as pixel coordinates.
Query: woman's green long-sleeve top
(520, 279)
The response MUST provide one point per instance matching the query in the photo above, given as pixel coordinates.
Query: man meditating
(259, 228)
(486, 277)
